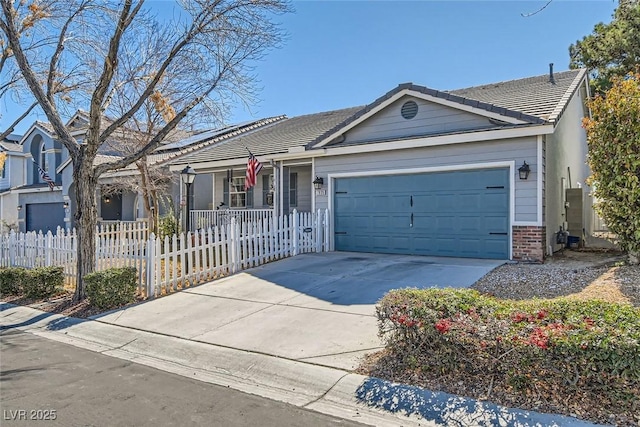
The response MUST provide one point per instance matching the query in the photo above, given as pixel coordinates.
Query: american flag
(253, 169)
(45, 176)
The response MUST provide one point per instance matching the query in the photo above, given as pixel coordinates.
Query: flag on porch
(253, 169)
(45, 176)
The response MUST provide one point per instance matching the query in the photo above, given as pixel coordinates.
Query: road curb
(327, 390)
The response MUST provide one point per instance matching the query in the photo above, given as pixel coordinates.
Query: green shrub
(111, 288)
(43, 282)
(11, 280)
(592, 346)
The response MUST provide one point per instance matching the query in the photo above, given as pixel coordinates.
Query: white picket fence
(173, 263)
(138, 230)
(204, 219)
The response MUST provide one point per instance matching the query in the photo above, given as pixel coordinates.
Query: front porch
(217, 196)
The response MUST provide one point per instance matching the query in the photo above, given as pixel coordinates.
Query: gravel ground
(574, 273)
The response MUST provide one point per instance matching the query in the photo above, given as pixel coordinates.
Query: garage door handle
(499, 234)
(411, 202)
(411, 224)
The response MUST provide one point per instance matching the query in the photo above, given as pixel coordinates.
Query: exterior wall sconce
(107, 199)
(19, 207)
(65, 205)
(524, 170)
(318, 183)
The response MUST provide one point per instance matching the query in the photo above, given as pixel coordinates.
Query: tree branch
(526, 15)
(13, 125)
(49, 109)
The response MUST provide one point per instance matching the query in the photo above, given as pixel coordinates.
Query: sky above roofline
(340, 54)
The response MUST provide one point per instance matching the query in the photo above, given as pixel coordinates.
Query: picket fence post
(295, 225)
(326, 237)
(150, 266)
(12, 248)
(48, 249)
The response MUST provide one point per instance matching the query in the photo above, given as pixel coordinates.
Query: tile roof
(275, 138)
(10, 146)
(534, 100)
(534, 96)
(172, 152)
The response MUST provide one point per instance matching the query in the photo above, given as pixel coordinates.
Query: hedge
(590, 345)
(11, 279)
(43, 282)
(111, 288)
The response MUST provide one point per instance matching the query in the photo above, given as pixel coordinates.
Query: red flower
(541, 314)
(443, 325)
(519, 317)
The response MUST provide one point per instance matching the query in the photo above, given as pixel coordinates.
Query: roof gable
(412, 115)
(530, 101)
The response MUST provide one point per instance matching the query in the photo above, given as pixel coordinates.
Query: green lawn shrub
(586, 345)
(11, 280)
(43, 282)
(111, 288)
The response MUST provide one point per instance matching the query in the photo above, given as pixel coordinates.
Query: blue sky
(346, 53)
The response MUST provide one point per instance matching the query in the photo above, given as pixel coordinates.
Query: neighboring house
(12, 175)
(27, 201)
(422, 171)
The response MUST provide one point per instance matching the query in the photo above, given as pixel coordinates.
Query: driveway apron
(317, 308)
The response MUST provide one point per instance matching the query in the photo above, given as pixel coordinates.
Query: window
(236, 197)
(43, 160)
(293, 189)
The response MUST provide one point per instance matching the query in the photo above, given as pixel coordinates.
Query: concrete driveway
(314, 308)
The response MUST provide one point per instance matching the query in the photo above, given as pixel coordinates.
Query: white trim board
(448, 168)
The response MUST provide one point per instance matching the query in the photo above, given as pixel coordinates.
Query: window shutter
(225, 192)
(250, 197)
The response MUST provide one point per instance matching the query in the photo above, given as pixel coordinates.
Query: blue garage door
(44, 217)
(459, 214)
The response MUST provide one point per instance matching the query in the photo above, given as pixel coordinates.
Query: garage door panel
(454, 214)
(44, 217)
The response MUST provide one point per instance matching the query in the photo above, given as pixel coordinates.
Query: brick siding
(529, 243)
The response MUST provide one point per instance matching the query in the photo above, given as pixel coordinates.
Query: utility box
(575, 211)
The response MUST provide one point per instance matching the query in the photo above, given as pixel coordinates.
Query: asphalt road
(47, 383)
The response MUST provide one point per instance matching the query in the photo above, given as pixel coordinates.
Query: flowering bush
(587, 345)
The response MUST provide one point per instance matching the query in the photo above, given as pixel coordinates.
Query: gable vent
(409, 110)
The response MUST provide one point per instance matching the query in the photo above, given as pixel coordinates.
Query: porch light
(188, 175)
(65, 205)
(318, 182)
(107, 199)
(19, 207)
(524, 171)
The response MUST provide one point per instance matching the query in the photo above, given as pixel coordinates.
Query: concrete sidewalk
(319, 388)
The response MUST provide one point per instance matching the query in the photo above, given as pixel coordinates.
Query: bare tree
(209, 50)
(29, 23)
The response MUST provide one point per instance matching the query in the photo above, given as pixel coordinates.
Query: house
(28, 201)
(480, 172)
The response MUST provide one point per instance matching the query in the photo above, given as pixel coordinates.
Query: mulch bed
(60, 304)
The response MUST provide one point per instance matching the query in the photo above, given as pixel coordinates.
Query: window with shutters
(293, 189)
